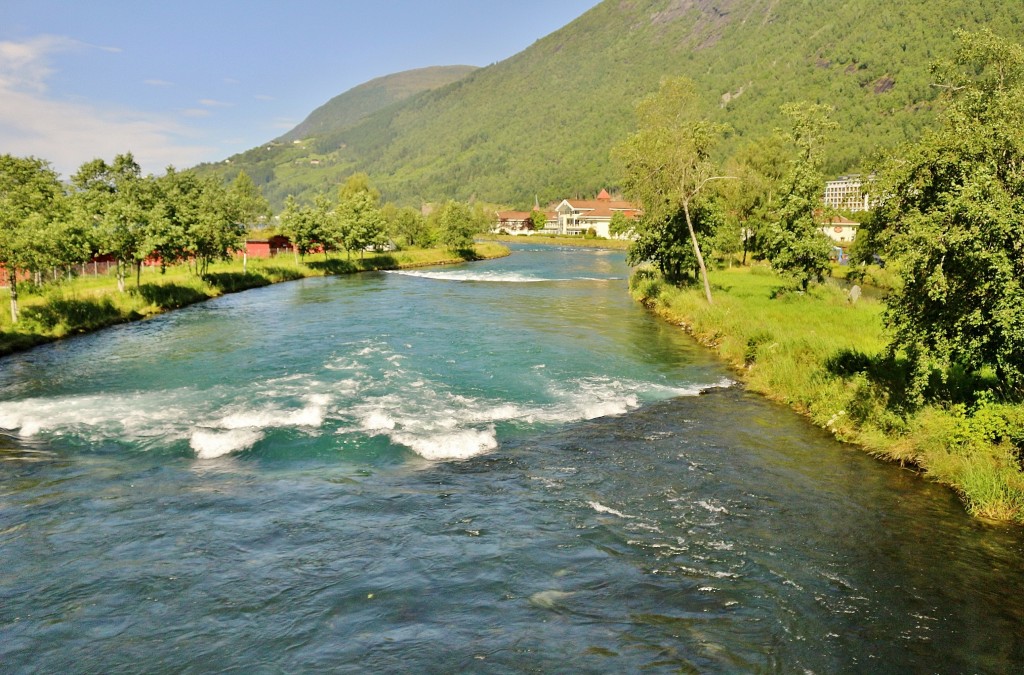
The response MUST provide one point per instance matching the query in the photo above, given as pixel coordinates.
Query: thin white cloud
(26, 65)
(156, 82)
(68, 133)
(213, 103)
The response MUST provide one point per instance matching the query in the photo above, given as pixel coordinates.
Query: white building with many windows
(845, 193)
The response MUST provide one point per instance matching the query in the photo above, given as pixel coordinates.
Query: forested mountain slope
(347, 109)
(543, 121)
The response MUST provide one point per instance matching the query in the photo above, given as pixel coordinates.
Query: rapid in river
(506, 466)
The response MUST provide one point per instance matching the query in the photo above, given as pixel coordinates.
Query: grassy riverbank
(824, 357)
(86, 304)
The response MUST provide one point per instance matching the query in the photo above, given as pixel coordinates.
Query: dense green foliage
(112, 209)
(31, 199)
(456, 224)
(794, 244)
(951, 219)
(543, 122)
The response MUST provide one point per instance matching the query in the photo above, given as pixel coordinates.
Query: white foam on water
(711, 508)
(601, 508)
(94, 417)
(456, 445)
(378, 421)
(363, 389)
(438, 424)
(466, 275)
(214, 422)
(209, 444)
(311, 415)
(550, 599)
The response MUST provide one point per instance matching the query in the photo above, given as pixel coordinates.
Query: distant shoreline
(547, 240)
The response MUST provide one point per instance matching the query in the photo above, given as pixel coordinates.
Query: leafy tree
(620, 225)
(408, 226)
(176, 217)
(119, 203)
(751, 200)
(457, 226)
(795, 244)
(300, 225)
(360, 223)
(538, 219)
(220, 229)
(30, 193)
(247, 204)
(951, 215)
(668, 171)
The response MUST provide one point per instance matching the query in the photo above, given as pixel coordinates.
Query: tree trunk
(12, 283)
(696, 250)
(138, 274)
(245, 262)
(120, 276)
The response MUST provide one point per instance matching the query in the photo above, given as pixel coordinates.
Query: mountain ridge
(543, 121)
(350, 107)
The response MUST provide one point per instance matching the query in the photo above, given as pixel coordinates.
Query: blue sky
(184, 81)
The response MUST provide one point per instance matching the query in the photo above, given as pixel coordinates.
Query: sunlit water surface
(500, 467)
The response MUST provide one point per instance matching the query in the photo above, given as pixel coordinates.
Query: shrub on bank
(825, 356)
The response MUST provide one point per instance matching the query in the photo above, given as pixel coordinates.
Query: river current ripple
(500, 467)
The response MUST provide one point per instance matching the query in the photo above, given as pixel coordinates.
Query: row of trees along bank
(948, 222)
(112, 209)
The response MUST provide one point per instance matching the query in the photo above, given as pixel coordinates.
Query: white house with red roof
(576, 216)
(519, 222)
(838, 229)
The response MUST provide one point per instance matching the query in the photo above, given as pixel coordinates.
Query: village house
(517, 222)
(838, 229)
(577, 216)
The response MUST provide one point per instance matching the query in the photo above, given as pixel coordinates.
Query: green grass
(825, 357)
(86, 304)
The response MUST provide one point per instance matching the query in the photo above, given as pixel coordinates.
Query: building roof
(602, 208)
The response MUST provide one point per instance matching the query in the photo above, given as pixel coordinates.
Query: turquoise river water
(500, 467)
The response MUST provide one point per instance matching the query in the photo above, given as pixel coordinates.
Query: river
(500, 467)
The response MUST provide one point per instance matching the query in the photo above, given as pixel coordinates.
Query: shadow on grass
(353, 265)
(73, 315)
(890, 372)
(170, 296)
(276, 274)
(467, 254)
(333, 266)
(13, 341)
(232, 282)
(892, 375)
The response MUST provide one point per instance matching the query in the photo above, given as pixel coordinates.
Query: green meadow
(825, 356)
